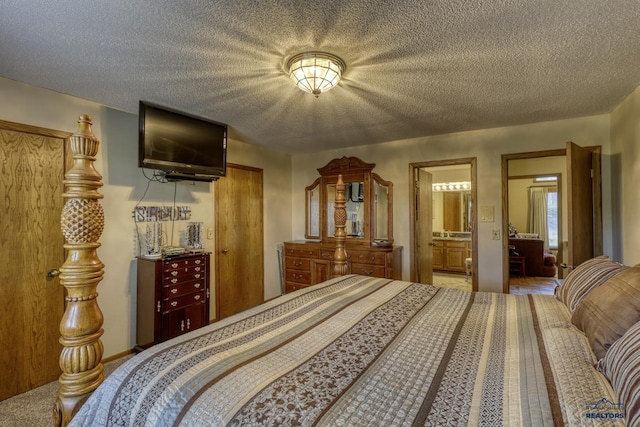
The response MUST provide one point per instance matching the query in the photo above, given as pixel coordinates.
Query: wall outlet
(210, 233)
(495, 234)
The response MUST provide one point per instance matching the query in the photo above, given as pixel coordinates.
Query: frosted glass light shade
(315, 72)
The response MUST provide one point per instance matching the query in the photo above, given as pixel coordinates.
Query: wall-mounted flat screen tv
(185, 146)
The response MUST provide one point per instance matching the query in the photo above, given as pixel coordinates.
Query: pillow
(585, 277)
(621, 366)
(609, 310)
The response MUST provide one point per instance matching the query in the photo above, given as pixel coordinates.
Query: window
(552, 217)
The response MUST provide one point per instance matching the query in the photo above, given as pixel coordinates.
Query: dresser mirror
(382, 205)
(312, 197)
(369, 203)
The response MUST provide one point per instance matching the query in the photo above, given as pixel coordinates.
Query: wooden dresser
(308, 263)
(173, 297)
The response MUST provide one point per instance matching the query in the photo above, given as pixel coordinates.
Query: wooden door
(239, 240)
(424, 225)
(580, 201)
(31, 245)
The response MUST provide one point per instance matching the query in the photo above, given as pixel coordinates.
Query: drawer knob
(174, 280)
(196, 285)
(174, 303)
(297, 276)
(174, 291)
(196, 297)
(198, 261)
(197, 276)
(297, 263)
(197, 268)
(366, 273)
(174, 265)
(174, 273)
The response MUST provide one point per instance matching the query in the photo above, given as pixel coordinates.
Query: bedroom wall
(625, 164)
(124, 186)
(392, 163)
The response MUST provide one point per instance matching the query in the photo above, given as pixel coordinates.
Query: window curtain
(538, 213)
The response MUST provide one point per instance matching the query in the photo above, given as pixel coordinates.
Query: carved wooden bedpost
(82, 223)
(340, 267)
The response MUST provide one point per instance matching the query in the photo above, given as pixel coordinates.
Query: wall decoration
(161, 213)
(194, 236)
(153, 240)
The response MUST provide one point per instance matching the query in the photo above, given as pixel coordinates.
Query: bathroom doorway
(443, 223)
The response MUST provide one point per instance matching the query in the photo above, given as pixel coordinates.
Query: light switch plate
(495, 234)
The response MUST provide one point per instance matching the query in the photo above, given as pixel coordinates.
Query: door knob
(225, 250)
(53, 273)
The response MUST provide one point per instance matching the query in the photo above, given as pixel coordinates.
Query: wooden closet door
(31, 242)
(239, 240)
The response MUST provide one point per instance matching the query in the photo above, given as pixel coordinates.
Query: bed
(357, 350)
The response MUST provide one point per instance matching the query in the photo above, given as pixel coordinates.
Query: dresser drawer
(325, 254)
(180, 289)
(363, 257)
(298, 276)
(173, 264)
(290, 287)
(187, 274)
(298, 263)
(368, 270)
(301, 253)
(183, 301)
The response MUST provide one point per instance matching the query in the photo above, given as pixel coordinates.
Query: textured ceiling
(414, 68)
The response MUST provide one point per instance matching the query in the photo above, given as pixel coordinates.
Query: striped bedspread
(359, 351)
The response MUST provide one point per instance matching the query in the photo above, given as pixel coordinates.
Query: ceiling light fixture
(315, 72)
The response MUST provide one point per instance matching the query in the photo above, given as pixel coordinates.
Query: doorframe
(413, 249)
(597, 200)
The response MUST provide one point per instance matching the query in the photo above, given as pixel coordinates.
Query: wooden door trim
(597, 200)
(472, 162)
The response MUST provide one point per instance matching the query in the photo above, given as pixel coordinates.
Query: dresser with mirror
(369, 228)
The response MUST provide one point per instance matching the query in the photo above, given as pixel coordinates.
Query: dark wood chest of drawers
(173, 297)
(309, 263)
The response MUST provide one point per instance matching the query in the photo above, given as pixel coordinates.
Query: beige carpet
(34, 408)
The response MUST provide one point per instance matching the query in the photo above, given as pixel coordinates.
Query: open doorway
(552, 225)
(443, 223)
